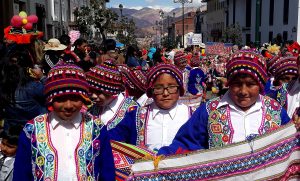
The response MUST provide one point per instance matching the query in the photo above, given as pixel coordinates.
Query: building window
(286, 4)
(248, 39)
(285, 36)
(270, 36)
(248, 13)
(271, 15)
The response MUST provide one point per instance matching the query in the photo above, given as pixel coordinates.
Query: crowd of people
(62, 101)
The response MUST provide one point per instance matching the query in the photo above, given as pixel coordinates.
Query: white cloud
(164, 8)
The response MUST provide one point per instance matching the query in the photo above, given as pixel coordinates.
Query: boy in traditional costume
(155, 125)
(65, 144)
(242, 113)
(106, 90)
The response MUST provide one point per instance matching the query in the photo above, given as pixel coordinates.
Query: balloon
(28, 26)
(16, 21)
(32, 19)
(23, 14)
(24, 21)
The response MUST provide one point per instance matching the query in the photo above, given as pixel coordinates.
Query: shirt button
(68, 134)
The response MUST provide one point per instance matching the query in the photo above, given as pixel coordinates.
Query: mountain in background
(145, 18)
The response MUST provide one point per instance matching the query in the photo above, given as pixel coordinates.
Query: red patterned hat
(133, 78)
(65, 79)
(179, 57)
(285, 65)
(105, 78)
(159, 69)
(248, 62)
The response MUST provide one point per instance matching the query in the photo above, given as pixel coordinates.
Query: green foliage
(126, 32)
(95, 16)
(234, 34)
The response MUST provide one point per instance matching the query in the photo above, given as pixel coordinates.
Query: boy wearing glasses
(241, 114)
(156, 124)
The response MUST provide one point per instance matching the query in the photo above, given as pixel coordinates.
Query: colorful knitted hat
(133, 78)
(179, 57)
(271, 64)
(159, 69)
(105, 78)
(248, 62)
(285, 65)
(64, 79)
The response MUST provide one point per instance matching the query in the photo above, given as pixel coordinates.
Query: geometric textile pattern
(273, 156)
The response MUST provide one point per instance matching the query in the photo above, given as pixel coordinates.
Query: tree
(95, 16)
(234, 34)
(126, 33)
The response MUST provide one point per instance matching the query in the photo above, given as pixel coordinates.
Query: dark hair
(130, 52)
(13, 75)
(12, 134)
(65, 39)
(110, 44)
(79, 42)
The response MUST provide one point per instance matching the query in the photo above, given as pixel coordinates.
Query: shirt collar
(171, 112)
(226, 100)
(55, 120)
(114, 105)
(295, 87)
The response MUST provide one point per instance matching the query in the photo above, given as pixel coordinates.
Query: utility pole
(257, 23)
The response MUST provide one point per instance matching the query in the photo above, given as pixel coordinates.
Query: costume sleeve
(193, 135)
(125, 131)
(107, 166)
(22, 165)
(284, 117)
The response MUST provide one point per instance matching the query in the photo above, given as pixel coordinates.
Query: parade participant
(106, 87)
(65, 144)
(21, 89)
(131, 59)
(8, 149)
(53, 54)
(156, 124)
(81, 51)
(110, 53)
(134, 80)
(242, 113)
(69, 56)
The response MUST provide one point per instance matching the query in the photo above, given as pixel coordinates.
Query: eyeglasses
(172, 89)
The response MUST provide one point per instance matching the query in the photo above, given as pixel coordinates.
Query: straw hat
(54, 44)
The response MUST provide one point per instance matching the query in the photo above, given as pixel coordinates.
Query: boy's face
(286, 78)
(66, 107)
(100, 98)
(165, 91)
(7, 149)
(243, 91)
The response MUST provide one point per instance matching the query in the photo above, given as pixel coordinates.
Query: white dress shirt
(243, 123)
(163, 124)
(65, 136)
(110, 110)
(293, 98)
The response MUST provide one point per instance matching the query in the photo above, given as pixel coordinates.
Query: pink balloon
(32, 19)
(16, 21)
(28, 26)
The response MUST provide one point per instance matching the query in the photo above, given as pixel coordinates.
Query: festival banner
(272, 156)
(218, 48)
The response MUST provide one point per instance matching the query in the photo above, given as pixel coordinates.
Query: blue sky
(166, 5)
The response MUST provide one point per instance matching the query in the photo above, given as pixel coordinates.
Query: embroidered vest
(118, 117)
(219, 122)
(44, 155)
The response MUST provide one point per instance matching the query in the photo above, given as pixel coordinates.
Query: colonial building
(277, 18)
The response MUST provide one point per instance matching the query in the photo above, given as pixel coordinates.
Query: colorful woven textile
(124, 157)
(274, 156)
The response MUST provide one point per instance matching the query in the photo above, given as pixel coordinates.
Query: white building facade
(277, 17)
